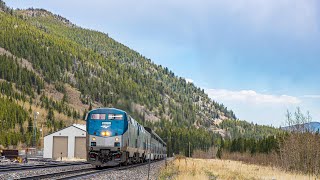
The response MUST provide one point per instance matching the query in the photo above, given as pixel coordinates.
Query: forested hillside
(238, 128)
(61, 70)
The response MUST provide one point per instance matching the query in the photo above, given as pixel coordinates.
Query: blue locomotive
(114, 138)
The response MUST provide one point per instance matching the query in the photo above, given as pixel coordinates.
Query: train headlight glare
(108, 133)
(103, 133)
(94, 138)
(117, 139)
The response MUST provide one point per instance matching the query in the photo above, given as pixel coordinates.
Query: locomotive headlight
(116, 139)
(105, 133)
(94, 138)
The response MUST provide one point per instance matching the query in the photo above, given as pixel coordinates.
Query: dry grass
(185, 169)
(209, 154)
(271, 159)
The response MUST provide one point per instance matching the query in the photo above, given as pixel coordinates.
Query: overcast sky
(258, 57)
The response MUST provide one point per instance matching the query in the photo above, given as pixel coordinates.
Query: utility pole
(35, 130)
(42, 140)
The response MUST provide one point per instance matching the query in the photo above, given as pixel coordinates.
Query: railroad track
(55, 175)
(38, 166)
(73, 174)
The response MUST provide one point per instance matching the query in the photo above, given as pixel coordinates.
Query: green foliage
(25, 80)
(249, 137)
(7, 89)
(60, 106)
(12, 116)
(178, 138)
(265, 145)
(238, 128)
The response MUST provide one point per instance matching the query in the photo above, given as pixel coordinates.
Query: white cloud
(189, 80)
(314, 96)
(250, 96)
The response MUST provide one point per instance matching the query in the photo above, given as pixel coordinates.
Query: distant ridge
(310, 127)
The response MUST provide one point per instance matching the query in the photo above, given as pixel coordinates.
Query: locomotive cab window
(98, 116)
(115, 116)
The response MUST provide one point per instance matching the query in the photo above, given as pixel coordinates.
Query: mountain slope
(170, 86)
(134, 77)
(53, 66)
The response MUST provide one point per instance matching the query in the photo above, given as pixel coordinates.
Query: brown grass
(209, 154)
(185, 169)
(271, 159)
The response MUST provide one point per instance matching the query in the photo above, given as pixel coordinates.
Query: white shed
(69, 142)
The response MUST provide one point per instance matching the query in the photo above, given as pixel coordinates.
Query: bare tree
(289, 120)
(300, 149)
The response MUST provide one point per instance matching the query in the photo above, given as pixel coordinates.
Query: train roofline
(104, 108)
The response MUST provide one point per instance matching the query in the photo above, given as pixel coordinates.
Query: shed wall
(71, 132)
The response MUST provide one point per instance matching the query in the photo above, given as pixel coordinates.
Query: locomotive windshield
(98, 116)
(115, 116)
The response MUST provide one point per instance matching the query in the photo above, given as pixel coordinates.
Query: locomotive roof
(106, 108)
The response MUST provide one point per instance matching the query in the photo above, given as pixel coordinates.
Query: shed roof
(79, 126)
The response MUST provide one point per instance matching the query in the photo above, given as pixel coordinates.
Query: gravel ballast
(26, 173)
(139, 172)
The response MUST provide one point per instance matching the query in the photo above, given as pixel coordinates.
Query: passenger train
(115, 138)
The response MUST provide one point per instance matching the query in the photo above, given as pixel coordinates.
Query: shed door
(60, 145)
(80, 148)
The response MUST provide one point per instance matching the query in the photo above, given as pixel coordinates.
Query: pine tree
(219, 153)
